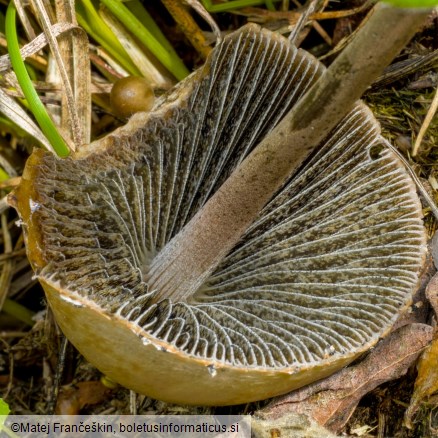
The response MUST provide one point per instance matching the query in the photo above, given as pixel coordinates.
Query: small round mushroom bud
(130, 95)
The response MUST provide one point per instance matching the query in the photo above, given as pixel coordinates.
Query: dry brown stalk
(189, 26)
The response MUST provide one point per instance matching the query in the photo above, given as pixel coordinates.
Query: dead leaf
(427, 380)
(72, 399)
(332, 401)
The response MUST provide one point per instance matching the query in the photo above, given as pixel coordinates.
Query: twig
(311, 8)
(417, 181)
(293, 16)
(17, 253)
(344, 42)
(199, 8)
(27, 26)
(13, 334)
(302, 21)
(401, 69)
(59, 372)
(428, 119)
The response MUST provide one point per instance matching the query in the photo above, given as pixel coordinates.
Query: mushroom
(322, 273)
(130, 95)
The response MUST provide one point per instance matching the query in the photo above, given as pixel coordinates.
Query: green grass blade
(167, 57)
(230, 5)
(93, 24)
(3, 175)
(45, 122)
(142, 14)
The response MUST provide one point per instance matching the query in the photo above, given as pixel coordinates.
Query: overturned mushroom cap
(319, 277)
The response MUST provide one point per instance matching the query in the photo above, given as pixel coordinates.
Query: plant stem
(188, 259)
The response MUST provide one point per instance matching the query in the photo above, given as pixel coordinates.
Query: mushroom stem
(189, 258)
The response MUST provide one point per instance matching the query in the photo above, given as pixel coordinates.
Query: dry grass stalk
(428, 119)
(142, 58)
(74, 52)
(189, 26)
(18, 115)
(75, 128)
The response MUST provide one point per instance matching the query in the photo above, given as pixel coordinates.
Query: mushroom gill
(318, 278)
